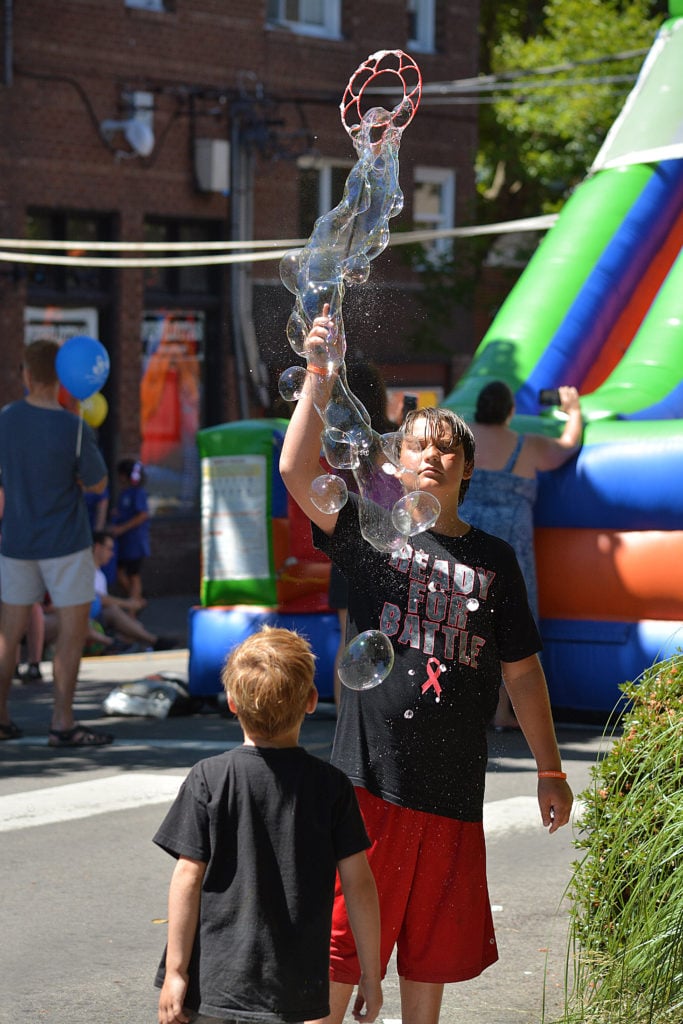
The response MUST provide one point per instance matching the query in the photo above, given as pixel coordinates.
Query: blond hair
(269, 678)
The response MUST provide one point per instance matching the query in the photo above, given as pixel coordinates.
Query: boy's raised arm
(300, 457)
(362, 906)
(183, 916)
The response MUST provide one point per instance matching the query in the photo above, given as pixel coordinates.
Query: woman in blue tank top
(503, 488)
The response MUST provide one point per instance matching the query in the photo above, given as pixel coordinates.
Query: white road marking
(513, 814)
(131, 790)
(83, 799)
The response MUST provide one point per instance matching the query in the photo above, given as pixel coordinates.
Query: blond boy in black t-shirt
(259, 833)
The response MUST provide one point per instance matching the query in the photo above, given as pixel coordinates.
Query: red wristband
(552, 775)
(318, 370)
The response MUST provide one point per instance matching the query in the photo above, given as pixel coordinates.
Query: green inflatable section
(540, 300)
(241, 491)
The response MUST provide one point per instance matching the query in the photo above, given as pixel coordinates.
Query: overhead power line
(12, 249)
(510, 79)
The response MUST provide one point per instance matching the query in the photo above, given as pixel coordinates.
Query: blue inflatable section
(611, 649)
(670, 408)
(617, 486)
(214, 631)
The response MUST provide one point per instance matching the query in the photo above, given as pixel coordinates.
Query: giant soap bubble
(336, 256)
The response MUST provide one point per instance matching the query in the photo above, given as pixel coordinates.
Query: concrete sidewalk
(168, 616)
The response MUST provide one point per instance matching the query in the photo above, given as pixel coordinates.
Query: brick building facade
(236, 135)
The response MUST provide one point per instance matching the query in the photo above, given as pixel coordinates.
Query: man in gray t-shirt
(48, 458)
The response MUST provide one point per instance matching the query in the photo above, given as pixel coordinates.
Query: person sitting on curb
(117, 614)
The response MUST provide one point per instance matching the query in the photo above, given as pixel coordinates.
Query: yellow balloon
(94, 409)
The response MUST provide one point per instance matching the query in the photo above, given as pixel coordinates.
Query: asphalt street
(82, 918)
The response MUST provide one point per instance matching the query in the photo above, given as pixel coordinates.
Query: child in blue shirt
(130, 526)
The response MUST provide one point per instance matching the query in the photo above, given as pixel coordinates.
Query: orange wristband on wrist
(318, 370)
(552, 775)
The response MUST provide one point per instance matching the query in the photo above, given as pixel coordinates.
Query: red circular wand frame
(373, 68)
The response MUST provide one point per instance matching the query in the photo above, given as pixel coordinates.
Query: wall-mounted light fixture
(137, 128)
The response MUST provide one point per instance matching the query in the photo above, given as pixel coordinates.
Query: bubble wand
(337, 255)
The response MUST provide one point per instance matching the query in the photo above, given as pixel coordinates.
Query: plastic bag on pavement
(161, 695)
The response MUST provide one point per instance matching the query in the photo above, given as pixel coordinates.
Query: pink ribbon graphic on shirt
(433, 677)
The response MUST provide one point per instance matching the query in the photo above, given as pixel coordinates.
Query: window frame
(445, 177)
(325, 167)
(424, 12)
(330, 29)
(154, 6)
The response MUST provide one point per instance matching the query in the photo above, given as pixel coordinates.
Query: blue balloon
(82, 366)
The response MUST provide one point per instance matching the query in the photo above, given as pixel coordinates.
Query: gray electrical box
(212, 165)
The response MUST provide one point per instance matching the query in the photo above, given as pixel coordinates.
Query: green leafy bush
(626, 911)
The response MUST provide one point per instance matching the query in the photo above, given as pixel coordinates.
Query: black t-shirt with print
(453, 608)
(271, 825)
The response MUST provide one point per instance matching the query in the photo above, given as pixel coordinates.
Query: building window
(421, 25)
(171, 394)
(182, 307)
(307, 17)
(198, 280)
(321, 187)
(148, 5)
(434, 205)
(49, 225)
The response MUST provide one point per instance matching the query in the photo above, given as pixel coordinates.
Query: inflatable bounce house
(258, 563)
(600, 306)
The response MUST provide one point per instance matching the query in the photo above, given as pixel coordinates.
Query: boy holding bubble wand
(258, 833)
(453, 604)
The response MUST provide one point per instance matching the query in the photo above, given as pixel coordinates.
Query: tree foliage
(537, 144)
(547, 137)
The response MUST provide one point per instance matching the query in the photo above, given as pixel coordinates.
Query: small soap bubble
(367, 661)
(356, 270)
(290, 265)
(340, 452)
(297, 332)
(329, 493)
(409, 450)
(291, 383)
(471, 604)
(378, 528)
(416, 512)
(408, 713)
(391, 446)
(411, 671)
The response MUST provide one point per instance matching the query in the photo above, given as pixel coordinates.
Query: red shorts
(431, 879)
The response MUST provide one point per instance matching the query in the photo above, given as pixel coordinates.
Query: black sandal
(78, 736)
(10, 732)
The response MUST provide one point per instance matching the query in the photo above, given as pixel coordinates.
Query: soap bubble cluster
(337, 255)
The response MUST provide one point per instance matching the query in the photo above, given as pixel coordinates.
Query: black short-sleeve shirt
(271, 825)
(453, 608)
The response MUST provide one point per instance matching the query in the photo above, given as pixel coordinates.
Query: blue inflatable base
(214, 631)
(586, 662)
